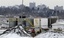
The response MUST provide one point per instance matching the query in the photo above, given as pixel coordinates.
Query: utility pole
(22, 2)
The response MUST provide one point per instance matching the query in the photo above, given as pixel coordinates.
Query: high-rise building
(58, 8)
(32, 5)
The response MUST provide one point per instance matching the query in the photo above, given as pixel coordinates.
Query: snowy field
(50, 35)
(42, 35)
(12, 35)
(1, 31)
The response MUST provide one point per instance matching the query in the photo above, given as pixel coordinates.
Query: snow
(59, 21)
(12, 35)
(4, 25)
(59, 24)
(1, 31)
(42, 35)
(50, 35)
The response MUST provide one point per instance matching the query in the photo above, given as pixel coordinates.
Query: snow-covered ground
(12, 35)
(59, 24)
(42, 35)
(3, 22)
(2, 30)
(50, 35)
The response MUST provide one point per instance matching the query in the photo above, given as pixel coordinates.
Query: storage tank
(36, 22)
(13, 22)
(44, 23)
(37, 25)
(30, 22)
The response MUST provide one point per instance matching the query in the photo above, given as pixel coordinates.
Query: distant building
(32, 5)
(58, 8)
(41, 6)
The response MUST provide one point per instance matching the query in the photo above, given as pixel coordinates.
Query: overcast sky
(50, 3)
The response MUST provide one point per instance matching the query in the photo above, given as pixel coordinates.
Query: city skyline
(48, 3)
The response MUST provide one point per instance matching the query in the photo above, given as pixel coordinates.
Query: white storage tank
(44, 23)
(37, 24)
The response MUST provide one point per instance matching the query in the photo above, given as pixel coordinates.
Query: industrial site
(30, 27)
(31, 19)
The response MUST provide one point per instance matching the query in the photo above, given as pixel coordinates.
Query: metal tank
(29, 23)
(13, 22)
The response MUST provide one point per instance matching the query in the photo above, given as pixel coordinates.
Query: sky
(48, 3)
